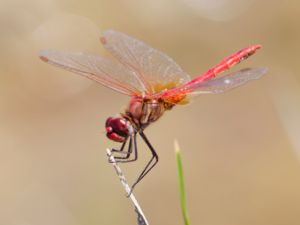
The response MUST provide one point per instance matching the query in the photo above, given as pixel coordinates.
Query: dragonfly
(154, 82)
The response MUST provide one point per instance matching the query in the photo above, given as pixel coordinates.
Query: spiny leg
(126, 158)
(154, 157)
(148, 167)
(120, 150)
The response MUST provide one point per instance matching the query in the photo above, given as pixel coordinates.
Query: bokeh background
(240, 149)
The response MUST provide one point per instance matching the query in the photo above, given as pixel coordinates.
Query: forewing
(156, 70)
(102, 70)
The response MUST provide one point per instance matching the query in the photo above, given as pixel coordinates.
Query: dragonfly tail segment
(227, 63)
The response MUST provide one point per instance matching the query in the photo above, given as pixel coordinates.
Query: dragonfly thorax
(142, 111)
(118, 129)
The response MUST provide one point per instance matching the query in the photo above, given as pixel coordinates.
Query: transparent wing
(155, 70)
(102, 70)
(214, 86)
(226, 82)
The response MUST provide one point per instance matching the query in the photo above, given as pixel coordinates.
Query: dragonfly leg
(121, 149)
(153, 161)
(125, 159)
(135, 156)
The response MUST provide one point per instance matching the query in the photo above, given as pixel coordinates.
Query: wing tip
(263, 70)
(109, 31)
(43, 57)
(260, 71)
(103, 40)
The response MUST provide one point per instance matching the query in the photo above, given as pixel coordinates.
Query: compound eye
(116, 126)
(122, 127)
(109, 129)
(115, 137)
(122, 124)
(108, 121)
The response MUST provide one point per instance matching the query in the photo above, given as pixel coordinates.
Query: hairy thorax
(142, 111)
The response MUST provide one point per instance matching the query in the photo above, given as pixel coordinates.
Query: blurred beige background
(240, 150)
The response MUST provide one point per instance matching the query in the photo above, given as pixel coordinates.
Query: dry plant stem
(141, 217)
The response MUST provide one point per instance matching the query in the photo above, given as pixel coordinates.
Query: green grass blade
(181, 184)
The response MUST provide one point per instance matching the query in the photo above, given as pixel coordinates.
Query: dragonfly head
(118, 129)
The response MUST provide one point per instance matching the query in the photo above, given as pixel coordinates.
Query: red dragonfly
(154, 82)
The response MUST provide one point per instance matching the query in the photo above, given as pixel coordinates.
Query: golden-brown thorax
(142, 111)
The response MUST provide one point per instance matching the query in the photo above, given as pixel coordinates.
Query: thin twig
(141, 217)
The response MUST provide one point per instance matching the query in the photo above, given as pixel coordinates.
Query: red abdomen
(227, 63)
